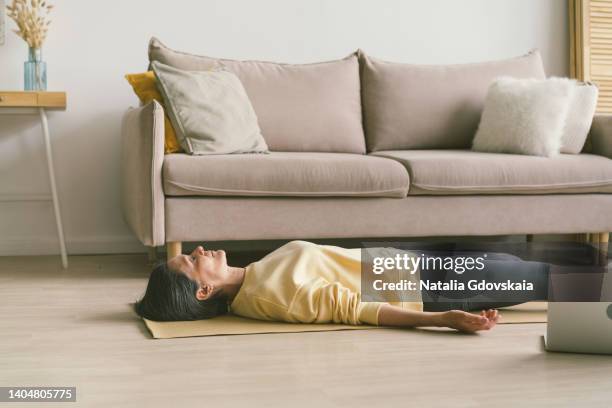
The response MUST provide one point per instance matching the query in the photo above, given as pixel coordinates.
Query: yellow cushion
(145, 87)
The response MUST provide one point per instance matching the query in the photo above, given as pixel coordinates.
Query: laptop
(579, 327)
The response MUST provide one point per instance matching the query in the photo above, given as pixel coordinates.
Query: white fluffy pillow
(579, 117)
(524, 116)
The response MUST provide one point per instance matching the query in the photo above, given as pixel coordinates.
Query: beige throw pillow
(210, 111)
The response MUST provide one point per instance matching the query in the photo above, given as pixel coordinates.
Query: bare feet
(470, 322)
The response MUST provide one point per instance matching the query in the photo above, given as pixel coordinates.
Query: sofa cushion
(284, 174)
(431, 106)
(468, 172)
(300, 107)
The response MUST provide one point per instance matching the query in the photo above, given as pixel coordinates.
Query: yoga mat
(533, 312)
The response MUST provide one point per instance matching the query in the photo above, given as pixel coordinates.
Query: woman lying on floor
(303, 282)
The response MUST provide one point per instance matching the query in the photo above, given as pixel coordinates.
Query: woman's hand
(390, 315)
(469, 322)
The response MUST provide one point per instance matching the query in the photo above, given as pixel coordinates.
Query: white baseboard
(47, 245)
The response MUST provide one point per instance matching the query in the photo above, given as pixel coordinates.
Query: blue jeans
(498, 268)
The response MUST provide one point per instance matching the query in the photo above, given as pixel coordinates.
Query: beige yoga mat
(533, 312)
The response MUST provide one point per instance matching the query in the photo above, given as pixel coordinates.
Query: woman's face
(207, 268)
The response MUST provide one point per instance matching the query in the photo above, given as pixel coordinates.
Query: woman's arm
(463, 321)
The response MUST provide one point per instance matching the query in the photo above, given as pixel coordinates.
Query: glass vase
(35, 71)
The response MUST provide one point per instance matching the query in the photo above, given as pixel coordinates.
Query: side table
(26, 102)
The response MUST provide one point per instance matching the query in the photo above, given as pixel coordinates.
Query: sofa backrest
(299, 107)
(431, 106)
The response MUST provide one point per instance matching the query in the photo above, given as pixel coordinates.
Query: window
(591, 46)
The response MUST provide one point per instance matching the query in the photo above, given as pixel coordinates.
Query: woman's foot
(470, 322)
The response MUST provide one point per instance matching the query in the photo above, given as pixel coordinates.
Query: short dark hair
(170, 296)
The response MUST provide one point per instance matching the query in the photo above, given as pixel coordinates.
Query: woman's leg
(498, 269)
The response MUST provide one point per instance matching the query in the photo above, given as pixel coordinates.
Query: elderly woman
(303, 282)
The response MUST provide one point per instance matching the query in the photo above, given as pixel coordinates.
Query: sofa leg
(604, 240)
(582, 238)
(173, 248)
(152, 254)
(600, 240)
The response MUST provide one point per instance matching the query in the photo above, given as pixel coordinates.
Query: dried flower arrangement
(31, 19)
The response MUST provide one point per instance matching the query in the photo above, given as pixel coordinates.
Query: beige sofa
(359, 148)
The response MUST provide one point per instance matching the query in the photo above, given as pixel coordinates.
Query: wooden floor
(74, 328)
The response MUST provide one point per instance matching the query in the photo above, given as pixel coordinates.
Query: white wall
(92, 44)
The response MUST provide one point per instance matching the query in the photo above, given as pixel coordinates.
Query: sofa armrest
(601, 135)
(142, 156)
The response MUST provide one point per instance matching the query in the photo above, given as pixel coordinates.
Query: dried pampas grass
(31, 19)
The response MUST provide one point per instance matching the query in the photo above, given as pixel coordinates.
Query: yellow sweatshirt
(302, 282)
